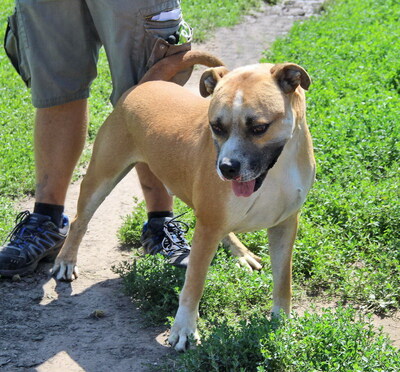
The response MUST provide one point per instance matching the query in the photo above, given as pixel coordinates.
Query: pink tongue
(243, 188)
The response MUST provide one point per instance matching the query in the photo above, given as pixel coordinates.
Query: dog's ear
(289, 76)
(210, 78)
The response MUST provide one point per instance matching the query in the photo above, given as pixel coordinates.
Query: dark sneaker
(34, 238)
(165, 235)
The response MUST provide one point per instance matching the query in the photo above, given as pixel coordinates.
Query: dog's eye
(218, 129)
(258, 130)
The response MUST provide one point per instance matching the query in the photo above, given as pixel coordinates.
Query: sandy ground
(48, 326)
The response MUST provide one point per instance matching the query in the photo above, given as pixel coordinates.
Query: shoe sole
(49, 257)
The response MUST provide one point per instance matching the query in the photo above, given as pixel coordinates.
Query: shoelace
(20, 221)
(174, 235)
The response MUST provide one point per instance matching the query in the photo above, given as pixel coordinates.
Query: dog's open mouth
(247, 188)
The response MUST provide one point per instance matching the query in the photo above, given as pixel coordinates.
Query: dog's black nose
(230, 168)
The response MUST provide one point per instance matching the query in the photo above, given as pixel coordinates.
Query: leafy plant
(155, 286)
(331, 341)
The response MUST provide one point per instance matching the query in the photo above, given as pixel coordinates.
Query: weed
(155, 286)
(331, 341)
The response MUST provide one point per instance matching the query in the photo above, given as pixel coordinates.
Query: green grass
(205, 16)
(237, 334)
(334, 341)
(158, 294)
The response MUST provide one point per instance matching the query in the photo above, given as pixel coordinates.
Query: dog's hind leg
(281, 240)
(112, 159)
(246, 258)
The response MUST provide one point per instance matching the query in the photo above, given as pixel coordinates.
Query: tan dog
(243, 160)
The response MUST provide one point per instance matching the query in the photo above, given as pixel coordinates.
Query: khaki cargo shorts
(54, 44)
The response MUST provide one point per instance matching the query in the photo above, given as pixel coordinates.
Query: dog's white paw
(181, 339)
(67, 271)
(183, 330)
(246, 258)
(250, 261)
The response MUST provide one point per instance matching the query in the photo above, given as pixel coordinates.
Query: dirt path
(48, 326)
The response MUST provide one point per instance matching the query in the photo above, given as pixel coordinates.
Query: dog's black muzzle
(262, 161)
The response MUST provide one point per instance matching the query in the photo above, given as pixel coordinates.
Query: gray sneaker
(165, 235)
(34, 238)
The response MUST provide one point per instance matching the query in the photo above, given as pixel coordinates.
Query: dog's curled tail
(168, 67)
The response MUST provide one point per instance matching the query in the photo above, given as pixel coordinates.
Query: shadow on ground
(47, 325)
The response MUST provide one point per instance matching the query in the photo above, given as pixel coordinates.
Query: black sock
(151, 215)
(52, 210)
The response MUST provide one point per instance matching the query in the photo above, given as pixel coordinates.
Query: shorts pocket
(14, 51)
(166, 38)
(161, 29)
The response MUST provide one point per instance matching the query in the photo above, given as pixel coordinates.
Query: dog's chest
(281, 195)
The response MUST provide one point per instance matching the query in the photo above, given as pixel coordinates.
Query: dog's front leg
(281, 240)
(204, 245)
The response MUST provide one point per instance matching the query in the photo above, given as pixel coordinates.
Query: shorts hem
(46, 103)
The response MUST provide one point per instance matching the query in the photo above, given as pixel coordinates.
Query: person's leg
(62, 54)
(156, 196)
(58, 50)
(60, 134)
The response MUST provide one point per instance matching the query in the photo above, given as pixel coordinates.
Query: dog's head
(251, 117)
